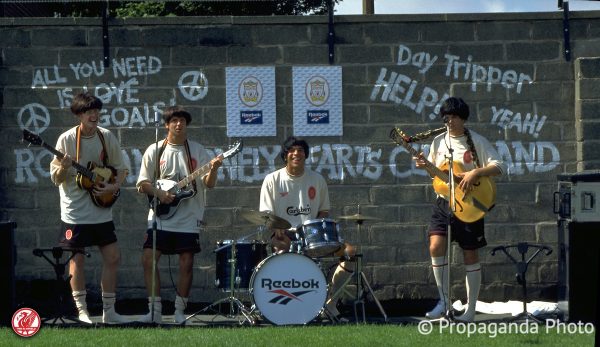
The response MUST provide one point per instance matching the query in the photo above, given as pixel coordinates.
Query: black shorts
(86, 235)
(169, 242)
(470, 236)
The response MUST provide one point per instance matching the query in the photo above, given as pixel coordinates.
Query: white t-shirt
(76, 205)
(174, 166)
(439, 152)
(295, 199)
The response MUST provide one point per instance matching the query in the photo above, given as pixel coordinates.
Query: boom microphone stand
(451, 210)
(154, 207)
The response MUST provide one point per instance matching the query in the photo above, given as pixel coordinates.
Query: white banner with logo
(318, 100)
(250, 101)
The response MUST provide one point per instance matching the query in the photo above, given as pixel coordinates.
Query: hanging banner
(318, 100)
(250, 101)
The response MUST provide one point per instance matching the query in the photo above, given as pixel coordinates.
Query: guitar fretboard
(80, 168)
(189, 178)
(398, 137)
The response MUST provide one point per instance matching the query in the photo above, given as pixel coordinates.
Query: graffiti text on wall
(337, 162)
(402, 89)
(118, 87)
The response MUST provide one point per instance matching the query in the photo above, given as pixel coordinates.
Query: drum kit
(284, 288)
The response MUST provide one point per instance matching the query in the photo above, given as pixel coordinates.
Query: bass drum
(288, 288)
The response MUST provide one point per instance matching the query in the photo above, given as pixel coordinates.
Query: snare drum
(288, 288)
(320, 237)
(248, 255)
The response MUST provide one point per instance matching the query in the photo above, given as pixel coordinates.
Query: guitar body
(99, 175)
(470, 206)
(166, 211)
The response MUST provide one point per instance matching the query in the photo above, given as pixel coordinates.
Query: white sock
(440, 273)
(157, 304)
(180, 303)
(473, 280)
(79, 297)
(108, 301)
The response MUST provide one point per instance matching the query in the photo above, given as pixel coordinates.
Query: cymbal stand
(236, 307)
(363, 288)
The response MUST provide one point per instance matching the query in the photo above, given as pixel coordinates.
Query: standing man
(295, 188)
(176, 233)
(479, 159)
(84, 222)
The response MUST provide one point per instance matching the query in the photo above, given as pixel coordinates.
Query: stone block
(503, 31)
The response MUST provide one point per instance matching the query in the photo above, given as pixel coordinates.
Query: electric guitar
(87, 177)
(470, 206)
(166, 211)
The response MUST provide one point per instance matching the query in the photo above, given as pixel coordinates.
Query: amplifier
(577, 197)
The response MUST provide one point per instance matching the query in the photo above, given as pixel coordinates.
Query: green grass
(319, 336)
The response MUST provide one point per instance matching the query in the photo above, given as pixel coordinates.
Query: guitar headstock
(399, 136)
(32, 138)
(234, 149)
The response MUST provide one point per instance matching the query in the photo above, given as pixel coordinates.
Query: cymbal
(358, 217)
(266, 218)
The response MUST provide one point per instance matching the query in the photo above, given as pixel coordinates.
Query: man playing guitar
(84, 222)
(178, 234)
(479, 159)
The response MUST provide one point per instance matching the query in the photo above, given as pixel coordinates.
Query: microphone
(156, 118)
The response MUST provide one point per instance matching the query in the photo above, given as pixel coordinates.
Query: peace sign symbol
(196, 88)
(38, 120)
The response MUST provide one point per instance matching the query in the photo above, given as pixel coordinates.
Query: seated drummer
(298, 194)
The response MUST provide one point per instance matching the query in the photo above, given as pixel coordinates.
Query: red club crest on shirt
(312, 192)
(68, 234)
(468, 157)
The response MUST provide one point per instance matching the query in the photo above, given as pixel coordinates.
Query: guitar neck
(80, 168)
(204, 169)
(430, 166)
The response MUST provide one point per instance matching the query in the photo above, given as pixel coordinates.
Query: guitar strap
(189, 160)
(78, 146)
(190, 168)
(472, 148)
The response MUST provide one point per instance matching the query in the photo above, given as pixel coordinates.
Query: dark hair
(455, 106)
(291, 142)
(84, 102)
(176, 111)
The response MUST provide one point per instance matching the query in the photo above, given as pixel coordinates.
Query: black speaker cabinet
(579, 271)
(8, 257)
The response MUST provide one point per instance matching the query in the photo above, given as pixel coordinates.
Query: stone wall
(535, 107)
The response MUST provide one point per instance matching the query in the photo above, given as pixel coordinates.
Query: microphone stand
(451, 209)
(154, 208)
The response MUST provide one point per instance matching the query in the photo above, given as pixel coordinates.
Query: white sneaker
(147, 318)
(437, 312)
(84, 316)
(179, 317)
(110, 316)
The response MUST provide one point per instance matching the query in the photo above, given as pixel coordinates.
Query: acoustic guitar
(166, 211)
(87, 177)
(470, 206)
